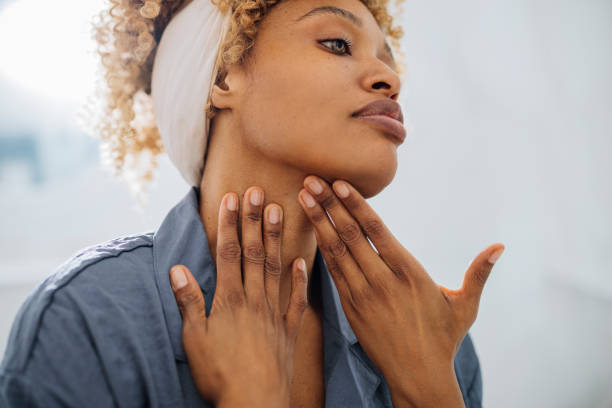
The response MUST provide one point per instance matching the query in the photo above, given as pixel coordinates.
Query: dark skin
(279, 125)
(242, 353)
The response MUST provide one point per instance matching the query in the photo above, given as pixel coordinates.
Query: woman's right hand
(242, 353)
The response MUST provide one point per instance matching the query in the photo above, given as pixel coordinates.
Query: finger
(298, 299)
(478, 272)
(188, 296)
(398, 258)
(346, 298)
(332, 247)
(273, 226)
(349, 230)
(229, 274)
(253, 252)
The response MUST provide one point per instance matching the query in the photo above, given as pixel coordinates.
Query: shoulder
(467, 369)
(86, 280)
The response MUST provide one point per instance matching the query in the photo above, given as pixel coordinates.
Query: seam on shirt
(96, 350)
(75, 273)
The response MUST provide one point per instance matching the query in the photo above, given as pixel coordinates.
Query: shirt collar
(181, 239)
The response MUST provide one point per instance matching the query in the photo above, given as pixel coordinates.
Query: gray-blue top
(104, 330)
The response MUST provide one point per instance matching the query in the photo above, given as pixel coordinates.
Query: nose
(381, 78)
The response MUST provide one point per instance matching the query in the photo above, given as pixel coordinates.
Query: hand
(242, 353)
(409, 326)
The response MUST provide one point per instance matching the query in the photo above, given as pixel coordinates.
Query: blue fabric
(104, 330)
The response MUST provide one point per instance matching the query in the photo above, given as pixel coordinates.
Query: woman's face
(304, 85)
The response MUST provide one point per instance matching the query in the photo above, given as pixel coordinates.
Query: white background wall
(510, 103)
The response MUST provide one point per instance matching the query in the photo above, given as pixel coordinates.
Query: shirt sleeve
(52, 361)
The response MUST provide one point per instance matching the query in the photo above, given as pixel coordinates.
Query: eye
(339, 42)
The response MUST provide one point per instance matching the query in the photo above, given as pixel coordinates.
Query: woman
(245, 323)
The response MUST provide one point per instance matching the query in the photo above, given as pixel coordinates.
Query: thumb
(188, 295)
(478, 273)
(298, 299)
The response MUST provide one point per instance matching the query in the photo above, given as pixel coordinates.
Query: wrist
(437, 388)
(272, 397)
(255, 401)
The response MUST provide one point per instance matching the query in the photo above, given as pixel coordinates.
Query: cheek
(289, 110)
(302, 117)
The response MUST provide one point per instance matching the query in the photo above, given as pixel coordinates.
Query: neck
(231, 166)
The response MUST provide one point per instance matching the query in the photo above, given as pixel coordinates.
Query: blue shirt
(104, 330)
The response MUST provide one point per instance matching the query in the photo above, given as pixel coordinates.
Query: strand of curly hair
(126, 34)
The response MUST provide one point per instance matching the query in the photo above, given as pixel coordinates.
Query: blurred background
(510, 104)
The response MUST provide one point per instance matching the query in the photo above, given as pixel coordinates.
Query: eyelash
(345, 40)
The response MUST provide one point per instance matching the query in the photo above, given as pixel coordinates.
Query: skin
(279, 122)
(242, 353)
(274, 127)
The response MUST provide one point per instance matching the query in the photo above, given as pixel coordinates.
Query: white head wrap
(184, 70)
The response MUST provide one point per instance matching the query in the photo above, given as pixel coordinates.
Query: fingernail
(255, 197)
(315, 186)
(274, 215)
(231, 202)
(495, 256)
(178, 278)
(301, 265)
(341, 189)
(308, 199)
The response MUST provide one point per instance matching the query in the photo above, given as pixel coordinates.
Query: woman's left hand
(409, 326)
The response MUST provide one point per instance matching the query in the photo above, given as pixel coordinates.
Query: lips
(385, 113)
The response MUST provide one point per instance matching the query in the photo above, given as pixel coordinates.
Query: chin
(372, 176)
(371, 184)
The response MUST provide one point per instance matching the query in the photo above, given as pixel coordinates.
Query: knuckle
(337, 248)
(328, 201)
(187, 298)
(300, 279)
(481, 275)
(272, 265)
(234, 298)
(364, 293)
(230, 251)
(274, 234)
(335, 269)
(337, 272)
(373, 227)
(231, 218)
(350, 233)
(254, 253)
(318, 216)
(354, 303)
(352, 203)
(257, 306)
(381, 286)
(254, 216)
(399, 269)
(301, 303)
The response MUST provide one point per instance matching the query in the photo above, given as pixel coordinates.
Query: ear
(227, 93)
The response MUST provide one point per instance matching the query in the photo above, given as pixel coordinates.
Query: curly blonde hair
(127, 33)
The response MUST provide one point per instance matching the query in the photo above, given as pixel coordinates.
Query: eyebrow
(344, 14)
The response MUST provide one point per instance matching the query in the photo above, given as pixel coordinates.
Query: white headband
(181, 82)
